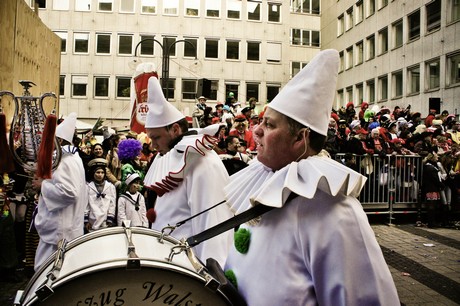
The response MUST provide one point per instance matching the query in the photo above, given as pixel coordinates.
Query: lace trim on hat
(258, 184)
(167, 171)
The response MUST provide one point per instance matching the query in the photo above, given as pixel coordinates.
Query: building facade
(250, 48)
(396, 53)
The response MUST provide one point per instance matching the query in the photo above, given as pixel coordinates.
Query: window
(370, 47)
(214, 88)
(170, 89)
(305, 6)
(340, 100)
(397, 84)
(252, 90)
(233, 9)
(102, 43)
(125, 44)
(83, 5)
(370, 91)
(126, 6)
(433, 74)
(382, 3)
(453, 66)
(273, 52)
(61, 85)
(170, 7)
(383, 88)
(123, 87)
(101, 87)
(147, 45)
(296, 67)
(433, 16)
(315, 40)
(359, 11)
(349, 19)
(192, 8)
(397, 34)
(190, 47)
(370, 7)
(454, 6)
(79, 84)
(169, 44)
(305, 38)
(274, 12)
(104, 5)
(272, 91)
(213, 8)
(233, 50)
(188, 89)
(383, 40)
(340, 25)
(413, 76)
(211, 48)
(149, 6)
(359, 93)
(349, 61)
(341, 61)
(349, 93)
(253, 7)
(81, 42)
(232, 87)
(413, 21)
(359, 52)
(61, 5)
(63, 36)
(253, 51)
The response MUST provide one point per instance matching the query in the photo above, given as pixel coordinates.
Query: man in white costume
(316, 246)
(187, 176)
(63, 198)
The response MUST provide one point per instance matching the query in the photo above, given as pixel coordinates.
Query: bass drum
(94, 272)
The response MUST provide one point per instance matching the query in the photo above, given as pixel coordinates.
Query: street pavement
(424, 263)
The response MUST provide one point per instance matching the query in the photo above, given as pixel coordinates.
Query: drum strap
(218, 229)
(229, 224)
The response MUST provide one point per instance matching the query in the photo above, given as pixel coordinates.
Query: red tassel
(6, 157)
(45, 153)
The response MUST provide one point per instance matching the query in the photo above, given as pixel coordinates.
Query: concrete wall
(30, 51)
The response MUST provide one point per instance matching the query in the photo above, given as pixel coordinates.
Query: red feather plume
(45, 152)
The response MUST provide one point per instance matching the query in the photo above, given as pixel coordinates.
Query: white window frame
(149, 6)
(80, 36)
(190, 7)
(213, 6)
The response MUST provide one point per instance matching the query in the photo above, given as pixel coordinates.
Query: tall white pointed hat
(161, 113)
(66, 129)
(308, 97)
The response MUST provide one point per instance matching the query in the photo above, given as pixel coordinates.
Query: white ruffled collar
(259, 184)
(167, 171)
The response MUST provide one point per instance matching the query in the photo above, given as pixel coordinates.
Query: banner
(140, 107)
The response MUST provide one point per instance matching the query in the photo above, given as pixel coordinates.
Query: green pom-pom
(231, 277)
(242, 239)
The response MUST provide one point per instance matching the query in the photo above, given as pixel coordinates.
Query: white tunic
(101, 206)
(318, 248)
(188, 180)
(127, 204)
(61, 205)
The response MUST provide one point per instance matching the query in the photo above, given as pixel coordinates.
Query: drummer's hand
(37, 183)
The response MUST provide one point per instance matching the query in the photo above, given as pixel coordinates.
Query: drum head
(135, 287)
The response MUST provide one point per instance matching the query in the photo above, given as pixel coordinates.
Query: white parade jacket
(317, 248)
(62, 203)
(188, 180)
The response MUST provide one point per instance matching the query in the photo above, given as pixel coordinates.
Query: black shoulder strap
(229, 224)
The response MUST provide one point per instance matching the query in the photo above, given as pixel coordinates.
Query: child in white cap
(131, 203)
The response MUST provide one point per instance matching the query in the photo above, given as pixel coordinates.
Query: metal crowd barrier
(393, 182)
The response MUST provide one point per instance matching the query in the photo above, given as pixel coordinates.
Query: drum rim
(96, 234)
